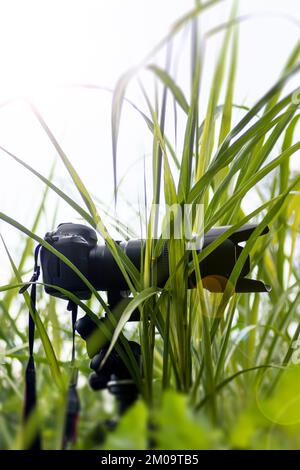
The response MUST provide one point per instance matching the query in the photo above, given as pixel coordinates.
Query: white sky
(48, 43)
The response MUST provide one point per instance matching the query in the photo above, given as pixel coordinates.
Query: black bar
(138, 459)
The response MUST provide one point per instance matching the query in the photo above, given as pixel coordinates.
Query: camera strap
(30, 398)
(73, 403)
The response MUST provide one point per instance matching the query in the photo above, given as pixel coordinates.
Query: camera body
(75, 242)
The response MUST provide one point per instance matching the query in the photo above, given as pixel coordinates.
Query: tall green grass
(218, 369)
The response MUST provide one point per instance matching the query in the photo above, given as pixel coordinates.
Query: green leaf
(135, 303)
(178, 428)
(171, 85)
(131, 432)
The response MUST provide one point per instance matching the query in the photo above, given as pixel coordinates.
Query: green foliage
(177, 426)
(131, 433)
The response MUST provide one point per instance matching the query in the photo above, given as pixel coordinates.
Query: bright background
(46, 44)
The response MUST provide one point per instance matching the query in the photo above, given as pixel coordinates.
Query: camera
(79, 244)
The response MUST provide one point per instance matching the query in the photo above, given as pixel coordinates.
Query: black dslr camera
(79, 244)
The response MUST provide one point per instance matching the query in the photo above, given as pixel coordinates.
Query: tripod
(114, 375)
